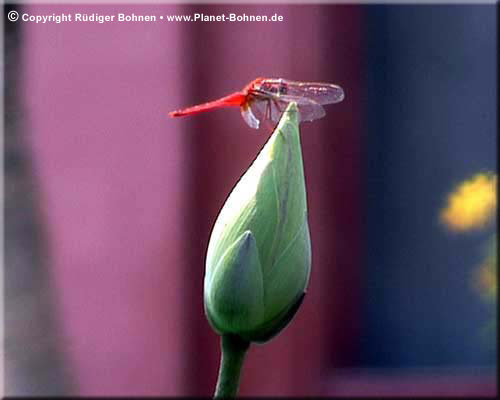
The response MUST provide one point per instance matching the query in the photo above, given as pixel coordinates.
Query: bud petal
(234, 296)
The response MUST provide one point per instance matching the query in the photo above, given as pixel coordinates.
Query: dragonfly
(265, 99)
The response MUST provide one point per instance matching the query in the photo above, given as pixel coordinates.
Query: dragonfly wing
(271, 108)
(309, 110)
(267, 109)
(262, 112)
(249, 117)
(260, 108)
(321, 93)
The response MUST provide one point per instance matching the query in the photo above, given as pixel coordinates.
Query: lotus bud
(259, 255)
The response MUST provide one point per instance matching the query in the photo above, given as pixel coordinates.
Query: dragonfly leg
(268, 109)
(277, 106)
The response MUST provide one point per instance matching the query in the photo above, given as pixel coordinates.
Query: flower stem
(233, 350)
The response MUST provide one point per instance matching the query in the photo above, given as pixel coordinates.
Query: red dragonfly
(266, 99)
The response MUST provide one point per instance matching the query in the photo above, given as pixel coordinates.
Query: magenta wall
(111, 172)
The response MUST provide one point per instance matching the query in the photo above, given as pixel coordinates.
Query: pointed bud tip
(247, 236)
(246, 243)
(291, 113)
(289, 121)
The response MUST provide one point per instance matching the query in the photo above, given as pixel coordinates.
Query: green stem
(233, 350)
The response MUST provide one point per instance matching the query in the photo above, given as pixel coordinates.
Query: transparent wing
(271, 108)
(321, 93)
(249, 117)
(309, 110)
(264, 109)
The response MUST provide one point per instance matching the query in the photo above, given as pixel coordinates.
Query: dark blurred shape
(430, 116)
(32, 357)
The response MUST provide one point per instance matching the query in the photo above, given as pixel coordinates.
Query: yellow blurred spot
(473, 204)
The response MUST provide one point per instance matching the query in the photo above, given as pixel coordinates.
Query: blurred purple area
(112, 169)
(128, 196)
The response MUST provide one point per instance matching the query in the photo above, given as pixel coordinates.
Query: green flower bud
(259, 255)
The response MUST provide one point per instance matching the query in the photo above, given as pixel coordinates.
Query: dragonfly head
(256, 83)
